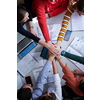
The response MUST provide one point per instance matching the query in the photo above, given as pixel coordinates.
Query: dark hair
(20, 12)
(80, 5)
(24, 94)
(48, 97)
(81, 86)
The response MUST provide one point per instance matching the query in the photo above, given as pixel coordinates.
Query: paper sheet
(26, 64)
(78, 45)
(37, 57)
(77, 22)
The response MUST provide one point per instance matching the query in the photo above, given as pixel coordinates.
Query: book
(77, 22)
(26, 64)
(77, 47)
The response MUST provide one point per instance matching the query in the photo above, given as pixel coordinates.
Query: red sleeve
(40, 11)
(60, 9)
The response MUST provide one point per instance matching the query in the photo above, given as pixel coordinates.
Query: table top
(55, 20)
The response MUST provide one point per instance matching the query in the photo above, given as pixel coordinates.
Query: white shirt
(56, 89)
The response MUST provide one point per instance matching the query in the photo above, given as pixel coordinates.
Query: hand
(51, 55)
(33, 32)
(76, 71)
(47, 16)
(56, 46)
(53, 49)
(58, 57)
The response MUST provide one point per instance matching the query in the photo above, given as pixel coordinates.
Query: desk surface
(64, 45)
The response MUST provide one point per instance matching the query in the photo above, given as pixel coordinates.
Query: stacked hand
(53, 49)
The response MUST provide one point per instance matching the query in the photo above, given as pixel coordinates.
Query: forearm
(26, 33)
(61, 62)
(30, 24)
(55, 69)
(40, 11)
(65, 23)
(74, 57)
(44, 29)
(59, 42)
(51, 58)
(41, 42)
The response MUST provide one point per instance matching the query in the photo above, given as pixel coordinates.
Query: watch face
(63, 52)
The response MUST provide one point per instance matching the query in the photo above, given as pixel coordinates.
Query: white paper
(37, 57)
(54, 30)
(26, 64)
(77, 21)
(19, 82)
(78, 45)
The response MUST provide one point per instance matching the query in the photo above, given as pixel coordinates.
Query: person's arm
(57, 81)
(78, 72)
(42, 78)
(61, 62)
(72, 56)
(65, 23)
(68, 74)
(40, 11)
(26, 33)
(31, 28)
(55, 69)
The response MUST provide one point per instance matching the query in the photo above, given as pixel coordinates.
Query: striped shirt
(66, 20)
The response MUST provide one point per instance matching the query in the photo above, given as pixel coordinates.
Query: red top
(40, 7)
(72, 80)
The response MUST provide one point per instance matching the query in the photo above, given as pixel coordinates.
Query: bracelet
(31, 27)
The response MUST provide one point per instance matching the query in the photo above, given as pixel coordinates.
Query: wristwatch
(63, 53)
